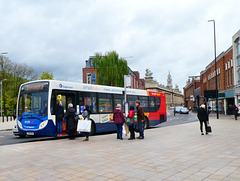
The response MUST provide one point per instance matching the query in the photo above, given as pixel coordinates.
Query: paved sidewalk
(171, 153)
(7, 125)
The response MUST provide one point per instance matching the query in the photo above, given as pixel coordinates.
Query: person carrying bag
(119, 119)
(86, 124)
(71, 122)
(130, 122)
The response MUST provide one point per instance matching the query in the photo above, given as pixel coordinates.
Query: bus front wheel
(22, 135)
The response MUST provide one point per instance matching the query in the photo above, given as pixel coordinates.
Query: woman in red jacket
(131, 114)
(118, 119)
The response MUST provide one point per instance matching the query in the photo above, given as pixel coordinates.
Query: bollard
(7, 118)
(3, 119)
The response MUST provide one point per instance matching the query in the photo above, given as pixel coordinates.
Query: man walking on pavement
(140, 118)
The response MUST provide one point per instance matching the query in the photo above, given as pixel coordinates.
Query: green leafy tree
(110, 69)
(14, 74)
(46, 75)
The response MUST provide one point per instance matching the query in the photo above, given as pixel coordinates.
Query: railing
(6, 119)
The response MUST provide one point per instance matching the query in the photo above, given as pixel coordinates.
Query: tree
(15, 75)
(110, 69)
(46, 75)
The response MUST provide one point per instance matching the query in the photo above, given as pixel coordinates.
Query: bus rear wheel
(93, 128)
(146, 123)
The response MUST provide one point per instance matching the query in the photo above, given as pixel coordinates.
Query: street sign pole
(127, 83)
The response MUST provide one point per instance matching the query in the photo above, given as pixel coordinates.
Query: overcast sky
(162, 35)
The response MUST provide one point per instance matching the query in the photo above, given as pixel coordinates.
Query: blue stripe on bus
(105, 127)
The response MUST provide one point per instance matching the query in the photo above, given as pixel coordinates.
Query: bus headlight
(19, 124)
(43, 124)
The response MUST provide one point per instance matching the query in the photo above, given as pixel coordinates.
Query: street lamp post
(215, 61)
(1, 95)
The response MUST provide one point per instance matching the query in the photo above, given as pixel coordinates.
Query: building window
(232, 76)
(219, 78)
(238, 77)
(89, 78)
(238, 61)
(229, 71)
(93, 78)
(91, 62)
(238, 48)
(227, 77)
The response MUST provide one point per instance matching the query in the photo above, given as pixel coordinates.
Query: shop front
(237, 96)
(227, 100)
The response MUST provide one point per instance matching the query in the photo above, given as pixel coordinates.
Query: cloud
(59, 35)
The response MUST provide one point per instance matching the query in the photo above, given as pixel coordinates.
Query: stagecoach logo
(65, 87)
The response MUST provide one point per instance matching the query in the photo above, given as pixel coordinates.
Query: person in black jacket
(71, 123)
(203, 118)
(59, 117)
(86, 115)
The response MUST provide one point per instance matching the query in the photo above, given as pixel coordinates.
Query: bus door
(66, 97)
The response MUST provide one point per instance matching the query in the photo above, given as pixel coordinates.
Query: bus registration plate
(30, 133)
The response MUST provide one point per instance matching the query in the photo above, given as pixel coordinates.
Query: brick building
(90, 75)
(192, 92)
(225, 77)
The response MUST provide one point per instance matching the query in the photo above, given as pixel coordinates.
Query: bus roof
(75, 86)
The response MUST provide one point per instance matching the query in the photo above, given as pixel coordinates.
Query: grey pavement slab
(168, 153)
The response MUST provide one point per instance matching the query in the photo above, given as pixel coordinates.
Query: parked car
(184, 110)
(171, 108)
(15, 130)
(178, 109)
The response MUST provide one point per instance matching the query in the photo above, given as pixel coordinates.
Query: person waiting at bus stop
(59, 117)
(119, 119)
(131, 115)
(86, 115)
(140, 118)
(71, 123)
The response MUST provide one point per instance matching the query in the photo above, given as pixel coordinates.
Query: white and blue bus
(36, 106)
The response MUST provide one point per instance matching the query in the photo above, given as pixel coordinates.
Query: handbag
(209, 128)
(129, 121)
(136, 128)
(124, 130)
(84, 126)
(64, 126)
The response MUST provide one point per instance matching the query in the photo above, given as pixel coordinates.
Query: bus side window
(144, 103)
(158, 103)
(105, 103)
(118, 99)
(131, 100)
(152, 104)
(89, 99)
